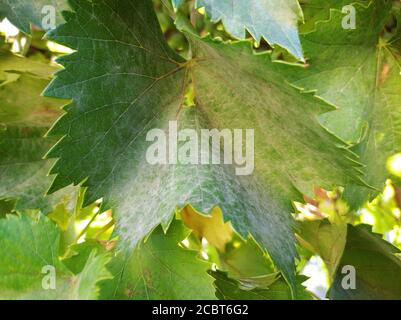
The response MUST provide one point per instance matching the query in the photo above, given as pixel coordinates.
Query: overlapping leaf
(25, 117)
(242, 264)
(358, 72)
(30, 254)
(276, 21)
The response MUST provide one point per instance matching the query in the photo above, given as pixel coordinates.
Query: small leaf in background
(230, 289)
(246, 259)
(212, 227)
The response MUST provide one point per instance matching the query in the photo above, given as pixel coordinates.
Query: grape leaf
(377, 267)
(29, 250)
(325, 239)
(25, 117)
(230, 289)
(159, 268)
(104, 141)
(359, 72)
(23, 13)
(274, 20)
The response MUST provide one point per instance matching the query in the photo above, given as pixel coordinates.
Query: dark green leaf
(377, 267)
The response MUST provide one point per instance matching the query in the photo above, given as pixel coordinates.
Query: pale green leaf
(29, 250)
(274, 20)
(25, 117)
(358, 72)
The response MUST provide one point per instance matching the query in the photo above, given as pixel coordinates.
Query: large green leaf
(23, 13)
(30, 250)
(160, 268)
(25, 117)
(125, 83)
(274, 20)
(358, 72)
(377, 267)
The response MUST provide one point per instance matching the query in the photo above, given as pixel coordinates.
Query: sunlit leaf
(25, 117)
(273, 20)
(29, 260)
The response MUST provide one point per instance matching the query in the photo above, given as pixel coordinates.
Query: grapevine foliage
(319, 86)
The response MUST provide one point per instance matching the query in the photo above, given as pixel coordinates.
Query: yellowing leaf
(212, 227)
